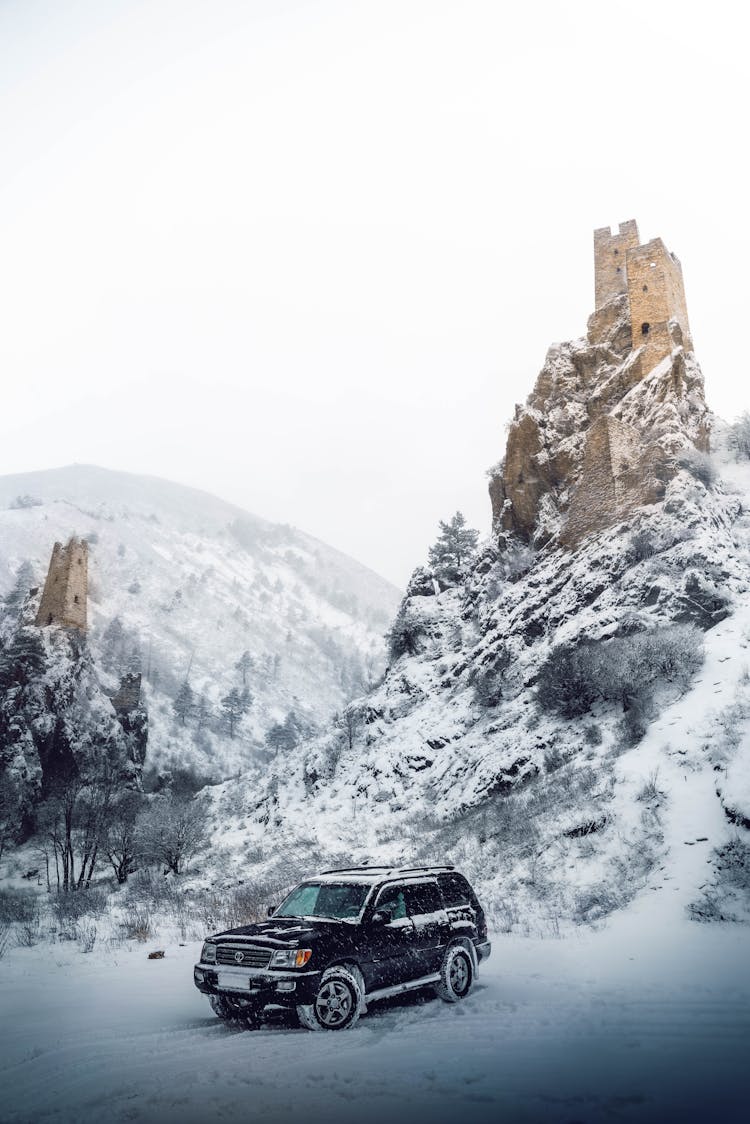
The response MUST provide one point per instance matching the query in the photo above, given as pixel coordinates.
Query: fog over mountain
(183, 587)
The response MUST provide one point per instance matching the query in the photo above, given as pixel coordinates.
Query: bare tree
(348, 723)
(119, 842)
(172, 831)
(10, 812)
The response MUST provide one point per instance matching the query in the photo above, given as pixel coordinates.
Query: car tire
(337, 1003)
(456, 974)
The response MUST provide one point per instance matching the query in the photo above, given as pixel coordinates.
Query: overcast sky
(308, 255)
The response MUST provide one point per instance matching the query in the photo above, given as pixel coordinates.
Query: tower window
(76, 599)
(645, 288)
(617, 251)
(49, 619)
(619, 269)
(644, 329)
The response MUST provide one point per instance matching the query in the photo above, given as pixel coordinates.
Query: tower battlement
(65, 591)
(610, 253)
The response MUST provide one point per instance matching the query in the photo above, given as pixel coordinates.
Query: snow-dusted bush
(25, 500)
(620, 670)
(650, 792)
(595, 902)
(172, 831)
(403, 637)
(137, 924)
(739, 437)
(18, 905)
(516, 560)
(487, 680)
(71, 908)
(699, 465)
(644, 544)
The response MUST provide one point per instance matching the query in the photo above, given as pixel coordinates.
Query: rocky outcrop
(597, 438)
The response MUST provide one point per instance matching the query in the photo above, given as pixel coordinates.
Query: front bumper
(258, 986)
(483, 950)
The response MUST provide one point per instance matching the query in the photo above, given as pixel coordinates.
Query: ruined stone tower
(66, 588)
(610, 415)
(652, 278)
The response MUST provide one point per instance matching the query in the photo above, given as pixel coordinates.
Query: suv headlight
(208, 953)
(291, 958)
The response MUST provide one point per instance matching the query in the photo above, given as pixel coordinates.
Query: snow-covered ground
(631, 1022)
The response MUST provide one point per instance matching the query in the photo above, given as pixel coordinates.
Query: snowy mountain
(184, 587)
(570, 722)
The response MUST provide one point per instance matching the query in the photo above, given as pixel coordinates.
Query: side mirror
(381, 917)
(271, 910)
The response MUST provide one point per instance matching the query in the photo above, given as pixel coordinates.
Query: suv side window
(393, 899)
(423, 897)
(456, 890)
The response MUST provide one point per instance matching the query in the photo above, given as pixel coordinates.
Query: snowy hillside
(456, 758)
(182, 585)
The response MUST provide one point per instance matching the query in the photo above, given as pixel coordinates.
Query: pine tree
(455, 547)
(202, 712)
(286, 734)
(244, 665)
(233, 706)
(183, 702)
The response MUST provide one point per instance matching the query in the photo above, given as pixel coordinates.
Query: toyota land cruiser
(345, 939)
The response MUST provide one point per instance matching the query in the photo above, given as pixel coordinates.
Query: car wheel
(337, 1003)
(456, 974)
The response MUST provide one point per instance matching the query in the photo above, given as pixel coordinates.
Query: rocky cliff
(598, 438)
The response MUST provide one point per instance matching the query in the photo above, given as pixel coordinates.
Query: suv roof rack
(355, 869)
(390, 869)
(421, 869)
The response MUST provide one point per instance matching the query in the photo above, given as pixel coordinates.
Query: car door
(424, 904)
(391, 945)
(464, 912)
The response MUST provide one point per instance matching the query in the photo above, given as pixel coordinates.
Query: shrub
(487, 680)
(404, 634)
(650, 790)
(594, 903)
(622, 670)
(68, 909)
(739, 437)
(137, 925)
(87, 936)
(592, 734)
(699, 465)
(644, 544)
(18, 905)
(565, 684)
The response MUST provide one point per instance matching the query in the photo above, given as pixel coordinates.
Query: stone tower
(652, 278)
(657, 296)
(66, 588)
(610, 254)
(610, 415)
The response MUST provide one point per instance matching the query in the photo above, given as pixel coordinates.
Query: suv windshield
(342, 901)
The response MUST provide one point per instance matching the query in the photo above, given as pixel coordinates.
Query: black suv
(348, 938)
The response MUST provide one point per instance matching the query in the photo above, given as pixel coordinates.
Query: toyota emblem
(239, 957)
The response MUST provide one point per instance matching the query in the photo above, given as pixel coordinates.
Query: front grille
(243, 956)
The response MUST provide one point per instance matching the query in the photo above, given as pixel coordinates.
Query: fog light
(286, 985)
(198, 975)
